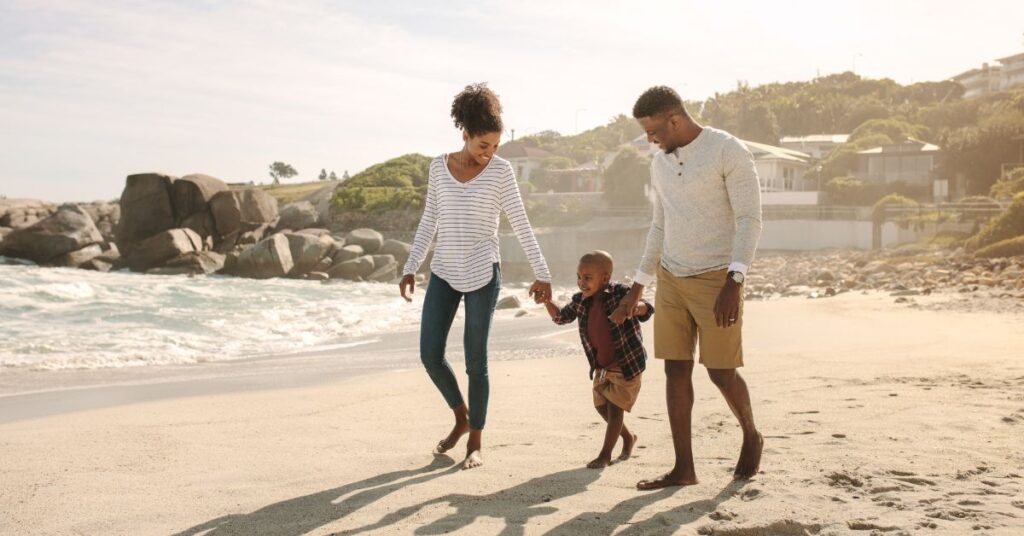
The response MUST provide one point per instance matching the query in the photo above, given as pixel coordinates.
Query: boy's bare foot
(449, 442)
(665, 481)
(599, 462)
(474, 459)
(627, 447)
(750, 458)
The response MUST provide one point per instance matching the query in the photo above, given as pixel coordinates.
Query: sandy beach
(879, 419)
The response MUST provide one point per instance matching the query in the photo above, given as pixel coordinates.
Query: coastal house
(524, 159)
(912, 162)
(1007, 74)
(816, 145)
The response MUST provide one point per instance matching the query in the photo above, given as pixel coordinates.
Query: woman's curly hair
(477, 110)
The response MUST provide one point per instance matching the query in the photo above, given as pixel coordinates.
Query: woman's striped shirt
(464, 216)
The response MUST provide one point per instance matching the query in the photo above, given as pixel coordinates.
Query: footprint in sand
(1018, 504)
(751, 494)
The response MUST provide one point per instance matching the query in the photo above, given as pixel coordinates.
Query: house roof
(763, 151)
(517, 149)
(1014, 57)
(816, 138)
(910, 146)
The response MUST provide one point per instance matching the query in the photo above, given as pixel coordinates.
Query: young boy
(615, 352)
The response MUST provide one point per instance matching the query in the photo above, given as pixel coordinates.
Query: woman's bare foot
(750, 458)
(628, 442)
(600, 461)
(665, 481)
(473, 446)
(449, 442)
(473, 459)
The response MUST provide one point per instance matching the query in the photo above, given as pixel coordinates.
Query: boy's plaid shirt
(628, 339)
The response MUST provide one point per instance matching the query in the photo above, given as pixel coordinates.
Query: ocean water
(59, 318)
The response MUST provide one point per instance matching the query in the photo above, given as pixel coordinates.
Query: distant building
(524, 159)
(981, 81)
(816, 145)
(1008, 74)
(912, 162)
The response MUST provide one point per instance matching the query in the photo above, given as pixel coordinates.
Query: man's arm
(744, 191)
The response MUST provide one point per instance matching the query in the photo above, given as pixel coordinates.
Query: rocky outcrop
(190, 196)
(307, 251)
(368, 239)
(355, 270)
(236, 212)
(271, 257)
(21, 213)
(46, 241)
(191, 263)
(297, 216)
(399, 250)
(162, 247)
(146, 208)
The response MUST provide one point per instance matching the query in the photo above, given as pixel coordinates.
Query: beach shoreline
(876, 418)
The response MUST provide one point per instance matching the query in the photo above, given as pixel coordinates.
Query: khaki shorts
(612, 386)
(685, 319)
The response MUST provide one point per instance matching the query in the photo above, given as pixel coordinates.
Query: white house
(524, 159)
(1012, 72)
(1008, 74)
(816, 145)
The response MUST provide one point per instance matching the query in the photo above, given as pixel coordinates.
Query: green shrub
(1009, 224)
(379, 198)
(1011, 247)
(1009, 185)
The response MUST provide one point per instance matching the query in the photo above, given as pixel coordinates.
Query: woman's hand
(540, 291)
(408, 281)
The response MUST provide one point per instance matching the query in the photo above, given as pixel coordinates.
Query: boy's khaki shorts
(685, 318)
(612, 386)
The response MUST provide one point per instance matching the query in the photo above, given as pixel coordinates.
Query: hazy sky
(91, 91)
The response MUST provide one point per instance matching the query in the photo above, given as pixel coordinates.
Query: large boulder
(146, 208)
(307, 251)
(399, 250)
(69, 229)
(192, 263)
(191, 196)
(368, 239)
(298, 216)
(162, 247)
(21, 213)
(321, 199)
(347, 253)
(385, 269)
(271, 257)
(239, 211)
(76, 258)
(354, 269)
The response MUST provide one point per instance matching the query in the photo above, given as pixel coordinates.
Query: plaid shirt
(629, 342)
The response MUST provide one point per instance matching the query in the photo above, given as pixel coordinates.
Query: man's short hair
(599, 258)
(658, 100)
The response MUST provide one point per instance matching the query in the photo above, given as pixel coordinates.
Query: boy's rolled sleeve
(650, 311)
(569, 313)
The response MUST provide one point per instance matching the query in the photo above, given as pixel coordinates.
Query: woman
(467, 190)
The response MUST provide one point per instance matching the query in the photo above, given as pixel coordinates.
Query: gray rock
(398, 249)
(21, 213)
(307, 251)
(347, 253)
(76, 258)
(315, 231)
(321, 200)
(191, 195)
(193, 263)
(382, 260)
(318, 276)
(384, 269)
(97, 265)
(370, 240)
(508, 302)
(352, 269)
(239, 211)
(69, 229)
(271, 257)
(162, 247)
(145, 208)
(4, 231)
(298, 216)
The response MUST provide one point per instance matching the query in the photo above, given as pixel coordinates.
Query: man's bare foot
(627, 447)
(474, 459)
(599, 462)
(449, 442)
(665, 481)
(750, 458)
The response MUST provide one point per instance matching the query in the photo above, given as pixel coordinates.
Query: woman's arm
(424, 232)
(512, 204)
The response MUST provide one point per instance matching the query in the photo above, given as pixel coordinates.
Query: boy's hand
(627, 305)
(640, 309)
(540, 291)
(408, 281)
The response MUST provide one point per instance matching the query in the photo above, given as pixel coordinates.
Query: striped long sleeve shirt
(464, 217)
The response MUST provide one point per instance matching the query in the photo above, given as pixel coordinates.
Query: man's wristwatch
(737, 277)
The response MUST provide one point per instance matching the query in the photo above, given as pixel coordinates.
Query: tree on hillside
(333, 177)
(323, 174)
(280, 170)
(625, 179)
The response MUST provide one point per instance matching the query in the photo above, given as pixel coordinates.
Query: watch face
(737, 277)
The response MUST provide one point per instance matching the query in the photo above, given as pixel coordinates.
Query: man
(707, 221)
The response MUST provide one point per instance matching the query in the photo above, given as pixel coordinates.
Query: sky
(92, 91)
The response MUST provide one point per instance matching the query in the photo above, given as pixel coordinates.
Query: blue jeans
(439, 307)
